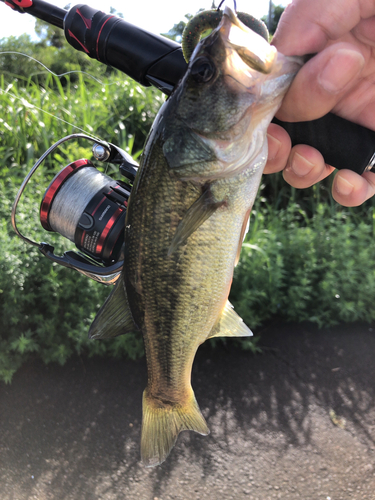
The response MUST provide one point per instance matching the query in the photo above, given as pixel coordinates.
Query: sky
(157, 16)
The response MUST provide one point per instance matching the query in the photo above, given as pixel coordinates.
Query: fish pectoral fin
(198, 213)
(230, 325)
(162, 422)
(114, 317)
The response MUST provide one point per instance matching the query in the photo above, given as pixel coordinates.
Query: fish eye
(202, 70)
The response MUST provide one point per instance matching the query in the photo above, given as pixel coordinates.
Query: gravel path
(296, 422)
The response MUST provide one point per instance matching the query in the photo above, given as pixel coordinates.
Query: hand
(339, 78)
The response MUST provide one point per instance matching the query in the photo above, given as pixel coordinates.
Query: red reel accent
(102, 239)
(108, 227)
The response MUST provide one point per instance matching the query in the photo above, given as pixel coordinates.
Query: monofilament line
(29, 105)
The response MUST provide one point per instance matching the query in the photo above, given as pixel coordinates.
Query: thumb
(322, 82)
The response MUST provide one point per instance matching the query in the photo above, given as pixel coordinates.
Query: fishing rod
(152, 59)
(147, 58)
(92, 219)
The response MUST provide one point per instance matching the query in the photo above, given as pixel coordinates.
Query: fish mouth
(252, 48)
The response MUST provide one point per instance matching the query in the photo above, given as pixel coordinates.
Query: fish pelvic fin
(230, 325)
(114, 317)
(163, 421)
(198, 213)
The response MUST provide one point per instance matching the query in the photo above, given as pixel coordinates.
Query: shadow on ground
(296, 422)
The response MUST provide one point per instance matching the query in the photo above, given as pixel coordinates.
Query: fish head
(221, 109)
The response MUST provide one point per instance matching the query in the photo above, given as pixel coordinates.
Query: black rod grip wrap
(342, 143)
(115, 42)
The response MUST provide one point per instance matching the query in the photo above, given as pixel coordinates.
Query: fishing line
(222, 1)
(50, 71)
(29, 105)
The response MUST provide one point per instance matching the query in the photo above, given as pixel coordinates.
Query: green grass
(304, 258)
(45, 309)
(33, 117)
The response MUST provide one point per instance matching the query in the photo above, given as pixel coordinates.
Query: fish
(186, 219)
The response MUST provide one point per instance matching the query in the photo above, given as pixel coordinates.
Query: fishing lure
(209, 20)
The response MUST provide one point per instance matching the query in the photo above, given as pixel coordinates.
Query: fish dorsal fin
(230, 325)
(114, 317)
(198, 213)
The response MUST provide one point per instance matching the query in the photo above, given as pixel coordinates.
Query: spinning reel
(88, 208)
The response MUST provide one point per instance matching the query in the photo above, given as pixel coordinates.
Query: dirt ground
(296, 422)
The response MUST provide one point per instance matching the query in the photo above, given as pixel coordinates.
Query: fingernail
(343, 186)
(300, 165)
(273, 146)
(343, 66)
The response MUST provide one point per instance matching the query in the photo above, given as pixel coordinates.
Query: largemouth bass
(187, 216)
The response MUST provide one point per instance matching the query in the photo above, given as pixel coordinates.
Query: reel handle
(106, 275)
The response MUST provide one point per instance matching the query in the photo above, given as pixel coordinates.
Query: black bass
(187, 216)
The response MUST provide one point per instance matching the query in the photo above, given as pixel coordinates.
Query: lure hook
(222, 1)
(210, 19)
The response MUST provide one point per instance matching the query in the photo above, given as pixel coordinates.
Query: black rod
(155, 60)
(38, 8)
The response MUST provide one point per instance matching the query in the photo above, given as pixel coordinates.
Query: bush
(304, 258)
(46, 310)
(320, 269)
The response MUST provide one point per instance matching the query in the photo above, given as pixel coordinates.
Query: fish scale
(172, 285)
(181, 296)
(186, 219)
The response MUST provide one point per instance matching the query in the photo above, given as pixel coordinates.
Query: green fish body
(186, 219)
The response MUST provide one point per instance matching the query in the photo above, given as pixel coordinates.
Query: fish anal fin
(114, 317)
(161, 424)
(230, 325)
(244, 229)
(198, 213)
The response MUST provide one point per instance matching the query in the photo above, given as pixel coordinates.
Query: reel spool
(88, 208)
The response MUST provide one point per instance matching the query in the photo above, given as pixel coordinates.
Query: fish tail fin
(162, 422)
